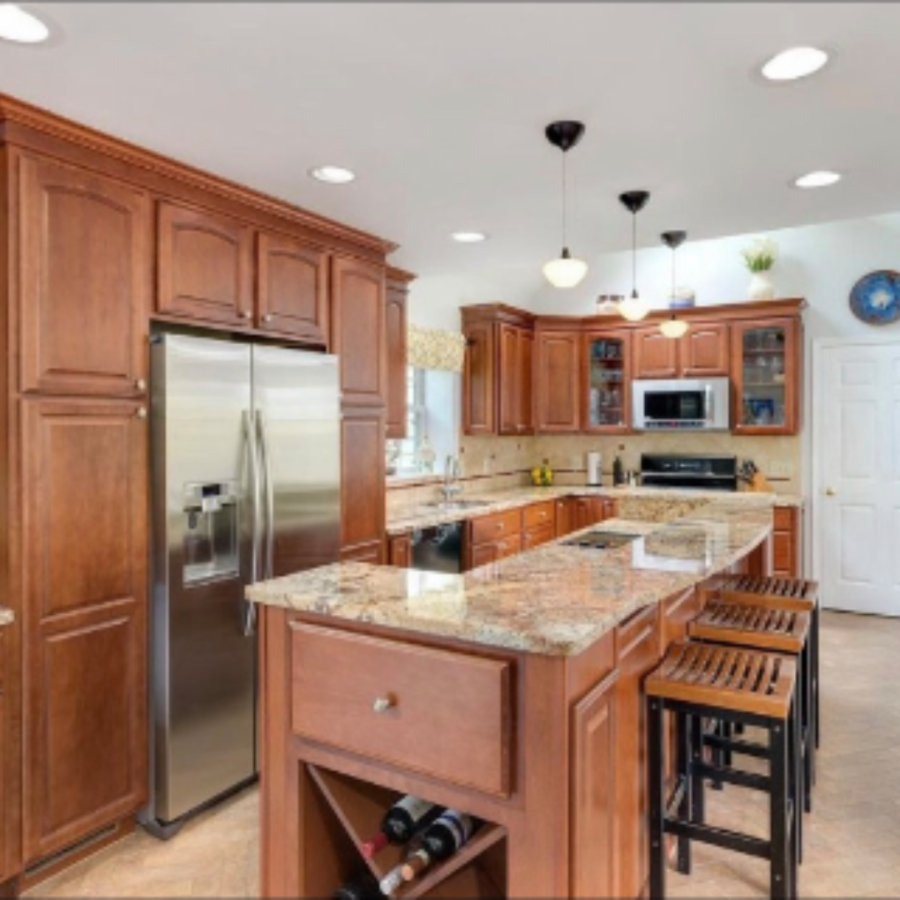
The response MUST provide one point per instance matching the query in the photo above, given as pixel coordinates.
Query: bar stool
(757, 624)
(797, 594)
(741, 686)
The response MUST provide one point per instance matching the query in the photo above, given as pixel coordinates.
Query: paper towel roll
(594, 467)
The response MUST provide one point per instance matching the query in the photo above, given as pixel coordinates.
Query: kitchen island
(511, 692)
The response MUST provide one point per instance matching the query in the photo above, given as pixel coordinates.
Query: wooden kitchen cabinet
(10, 748)
(84, 276)
(592, 510)
(538, 524)
(637, 654)
(292, 288)
(557, 381)
(766, 369)
(655, 355)
(607, 395)
(204, 266)
(359, 330)
(362, 484)
(85, 485)
(400, 551)
(704, 351)
(492, 537)
(565, 516)
(497, 373)
(786, 542)
(395, 318)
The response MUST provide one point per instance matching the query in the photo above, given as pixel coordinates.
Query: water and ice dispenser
(210, 531)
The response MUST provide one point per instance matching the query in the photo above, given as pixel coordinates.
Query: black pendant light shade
(634, 201)
(673, 239)
(564, 135)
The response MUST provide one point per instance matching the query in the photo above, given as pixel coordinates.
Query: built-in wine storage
(347, 811)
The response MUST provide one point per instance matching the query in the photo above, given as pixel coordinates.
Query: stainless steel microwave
(682, 404)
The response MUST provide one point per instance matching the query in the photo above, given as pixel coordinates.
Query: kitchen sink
(455, 504)
(601, 540)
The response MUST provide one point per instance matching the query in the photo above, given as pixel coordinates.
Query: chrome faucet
(451, 484)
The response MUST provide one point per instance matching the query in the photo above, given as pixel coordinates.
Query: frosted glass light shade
(566, 271)
(673, 328)
(634, 308)
(21, 27)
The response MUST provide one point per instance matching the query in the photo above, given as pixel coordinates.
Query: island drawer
(496, 525)
(437, 712)
(540, 515)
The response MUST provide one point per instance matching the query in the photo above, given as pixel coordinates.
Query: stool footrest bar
(720, 837)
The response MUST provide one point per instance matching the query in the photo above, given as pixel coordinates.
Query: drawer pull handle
(383, 704)
(499, 526)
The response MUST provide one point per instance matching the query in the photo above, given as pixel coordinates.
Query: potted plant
(759, 257)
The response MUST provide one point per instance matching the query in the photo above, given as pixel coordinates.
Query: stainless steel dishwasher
(438, 548)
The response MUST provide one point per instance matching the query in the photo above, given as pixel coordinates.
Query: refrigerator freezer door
(296, 399)
(203, 663)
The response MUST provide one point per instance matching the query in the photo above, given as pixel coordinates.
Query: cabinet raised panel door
(558, 382)
(514, 380)
(292, 284)
(85, 490)
(358, 330)
(655, 355)
(205, 267)
(704, 350)
(396, 361)
(362, 477)
(85, 271)
(478, 379)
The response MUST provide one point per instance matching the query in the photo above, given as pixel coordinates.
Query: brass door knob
(830, 492)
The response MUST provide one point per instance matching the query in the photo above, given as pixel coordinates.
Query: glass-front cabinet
(765, 371)
(607, 400)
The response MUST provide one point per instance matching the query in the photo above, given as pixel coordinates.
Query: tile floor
(852, 837)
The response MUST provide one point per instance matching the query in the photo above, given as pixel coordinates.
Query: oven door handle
(710, 405)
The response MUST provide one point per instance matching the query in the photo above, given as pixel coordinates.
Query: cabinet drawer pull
(267, 317)
(383, 704)
(141, 412)
(140, 384)
(246, 314)
(499, 526)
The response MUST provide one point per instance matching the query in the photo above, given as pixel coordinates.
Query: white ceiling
(440, 108)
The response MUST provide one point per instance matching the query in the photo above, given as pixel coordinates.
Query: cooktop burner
(601, 540)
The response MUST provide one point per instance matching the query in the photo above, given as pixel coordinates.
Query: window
(432, 422)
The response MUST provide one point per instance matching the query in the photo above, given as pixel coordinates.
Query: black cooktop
(601, 540)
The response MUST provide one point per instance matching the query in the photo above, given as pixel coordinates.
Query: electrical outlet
(781, 468)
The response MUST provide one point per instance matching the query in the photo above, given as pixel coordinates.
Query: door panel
(362, 477)
(479, 405)
(857, 484)
(205, 268)
(704, 350)
(292, 288)
(655, 355)
(85, 479)
(395, 315)
(558, 382)
(85, 274)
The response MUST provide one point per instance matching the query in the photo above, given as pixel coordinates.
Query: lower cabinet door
(85, 531)
(372, 553)
(593, 795)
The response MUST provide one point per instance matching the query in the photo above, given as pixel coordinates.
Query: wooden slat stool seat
(698, 681)
(759, 624)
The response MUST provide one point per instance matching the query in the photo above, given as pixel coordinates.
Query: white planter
(760, 287)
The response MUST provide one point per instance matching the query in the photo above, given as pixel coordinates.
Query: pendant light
(565, 271)
(634, 308)
(673, 327)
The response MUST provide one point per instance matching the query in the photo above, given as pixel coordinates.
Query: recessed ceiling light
(469, 237)
(817, 180)
(332, 174)
(798, 62)
(20, 26)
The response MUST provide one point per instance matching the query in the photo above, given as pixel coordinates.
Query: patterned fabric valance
(430, 348)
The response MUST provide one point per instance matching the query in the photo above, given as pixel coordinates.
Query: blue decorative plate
(875, 298)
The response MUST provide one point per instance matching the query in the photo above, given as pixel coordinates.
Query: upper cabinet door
(558, 405)
(85, 272)
(358, 330)
(526, 395)
(205, 267)
(292, 294)
(607, 397)
(395, 315)
(655, 355)
(704, 350)
(479, 407)
(508, 380)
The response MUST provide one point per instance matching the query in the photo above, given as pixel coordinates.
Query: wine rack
(350, 811)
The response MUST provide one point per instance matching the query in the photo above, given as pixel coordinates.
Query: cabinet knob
(141, 412)
(267, 317)
(383, 704)
(246, 314)
(140, 384)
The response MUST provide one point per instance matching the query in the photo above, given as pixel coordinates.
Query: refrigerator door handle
(266, 454)
(248, 624)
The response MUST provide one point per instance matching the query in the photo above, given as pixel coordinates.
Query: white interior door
(856, 448)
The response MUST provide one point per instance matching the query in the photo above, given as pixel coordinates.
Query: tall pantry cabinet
(97, 239)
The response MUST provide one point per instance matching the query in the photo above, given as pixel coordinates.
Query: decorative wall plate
(875, 298)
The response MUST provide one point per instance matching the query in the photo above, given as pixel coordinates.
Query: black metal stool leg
(684, 723)
(796, 780)
(808, 726)
(657, 775)
(698, 787)
(779, 873)
(814, 646)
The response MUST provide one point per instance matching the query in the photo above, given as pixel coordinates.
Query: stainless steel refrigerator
(246, 486)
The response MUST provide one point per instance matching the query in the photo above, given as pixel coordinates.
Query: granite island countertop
(640, 503)
(7, 616)
(554, 600)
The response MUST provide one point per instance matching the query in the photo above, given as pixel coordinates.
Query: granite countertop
(7, 616)
(554, 600)
(642, 503)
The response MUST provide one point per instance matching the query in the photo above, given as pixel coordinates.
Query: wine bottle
(447, 834)
(363, 886)
(391, 881)
(400, 822)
